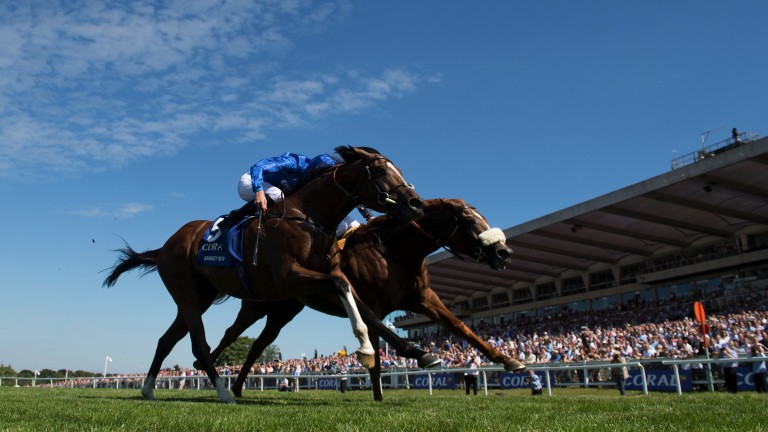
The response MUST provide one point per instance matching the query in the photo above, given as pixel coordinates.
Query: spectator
(736, 136)
(470, 378)
(619, 374)
(534, 382)
(729, 370)
(758, 368)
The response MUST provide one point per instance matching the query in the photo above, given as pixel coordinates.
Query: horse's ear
(348, 153)
(369, 150)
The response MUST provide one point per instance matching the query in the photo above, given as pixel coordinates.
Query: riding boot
(235, 216)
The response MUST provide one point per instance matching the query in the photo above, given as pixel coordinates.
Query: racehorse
(386, 263)
(298, 259)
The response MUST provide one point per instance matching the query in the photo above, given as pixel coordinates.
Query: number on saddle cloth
(222, 246)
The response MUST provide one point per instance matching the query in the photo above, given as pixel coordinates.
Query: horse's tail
(130, 259)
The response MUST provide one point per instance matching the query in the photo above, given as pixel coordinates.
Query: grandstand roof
(708, 196)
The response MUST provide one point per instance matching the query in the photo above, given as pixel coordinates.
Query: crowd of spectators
(638, 330)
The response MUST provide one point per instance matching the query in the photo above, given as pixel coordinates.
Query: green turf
(40, 409)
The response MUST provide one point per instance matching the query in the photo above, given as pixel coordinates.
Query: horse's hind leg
(172, 336)
(281, 313)
(250, 312)
(193, 318)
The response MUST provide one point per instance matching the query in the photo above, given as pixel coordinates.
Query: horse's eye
(378, 171)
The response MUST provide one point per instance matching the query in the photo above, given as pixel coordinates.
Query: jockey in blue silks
(271, 179)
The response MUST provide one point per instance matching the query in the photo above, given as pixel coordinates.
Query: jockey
(269, 180)
(277, 176)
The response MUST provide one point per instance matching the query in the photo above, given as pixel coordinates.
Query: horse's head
(374, 181)
(460, 228)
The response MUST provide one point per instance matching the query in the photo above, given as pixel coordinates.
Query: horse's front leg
(365, 354)
(403, 348)
(433, 308)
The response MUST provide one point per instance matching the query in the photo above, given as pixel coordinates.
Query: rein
(306, 219)
(383, 197)
(478, 252)
(439, 243)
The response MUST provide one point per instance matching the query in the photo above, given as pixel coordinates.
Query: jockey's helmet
(320, 163)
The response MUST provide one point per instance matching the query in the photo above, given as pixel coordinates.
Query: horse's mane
(350, 154)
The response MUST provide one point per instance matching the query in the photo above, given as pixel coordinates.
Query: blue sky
(128, 119)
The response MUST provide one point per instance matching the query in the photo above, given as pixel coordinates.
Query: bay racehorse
(386, 263)
(297, 259)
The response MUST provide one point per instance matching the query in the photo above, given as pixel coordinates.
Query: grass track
(40, 409)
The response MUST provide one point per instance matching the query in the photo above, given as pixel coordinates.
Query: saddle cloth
(222, 249)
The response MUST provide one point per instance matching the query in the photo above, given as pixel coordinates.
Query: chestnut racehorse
(386, 263)
(298, 259)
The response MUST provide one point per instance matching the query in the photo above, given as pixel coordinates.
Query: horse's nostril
(415, 203)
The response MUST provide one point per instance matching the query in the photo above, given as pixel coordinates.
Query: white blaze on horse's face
(392, 167)
(483, 222)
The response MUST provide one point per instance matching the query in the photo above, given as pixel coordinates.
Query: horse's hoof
(227, 398)
(367, 360)
(238, 391)
(513, 365)
(428, 361)
(148, 394)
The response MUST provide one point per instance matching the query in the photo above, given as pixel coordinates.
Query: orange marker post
(701, 317)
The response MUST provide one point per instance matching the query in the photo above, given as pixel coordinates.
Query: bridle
(478, 252)
(383, 197)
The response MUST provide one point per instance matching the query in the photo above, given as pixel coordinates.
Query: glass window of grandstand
(603, 303)
(460, 307)
(713, 286)
(755, 242)
(630, 272)
(500, 300)
(601, 280)
(480, 303)
(521, 296)
(674, 292)
(546, 291)
(504, 319)
(549, 312)
(639, 298)
(574, 285)
(579, 306)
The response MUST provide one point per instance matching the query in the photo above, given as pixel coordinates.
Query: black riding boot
(247, 210)
(235, 216)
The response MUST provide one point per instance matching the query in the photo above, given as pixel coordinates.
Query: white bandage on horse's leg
(492, 236)
(358, 326)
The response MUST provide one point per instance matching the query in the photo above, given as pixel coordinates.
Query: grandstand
(698, 231)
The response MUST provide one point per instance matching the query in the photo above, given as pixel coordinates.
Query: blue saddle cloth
(222, 249)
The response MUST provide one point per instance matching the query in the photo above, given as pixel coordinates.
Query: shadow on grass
(249, 400)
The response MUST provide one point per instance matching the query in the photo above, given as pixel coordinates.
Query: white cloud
(123, 211)
(91, 85)
(130, 210)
